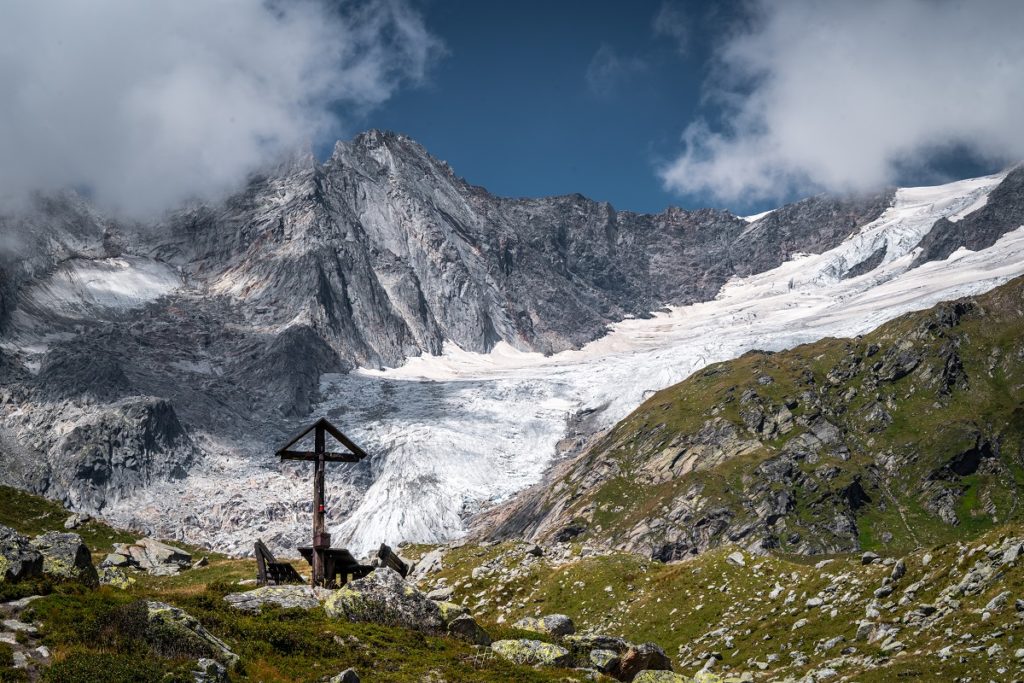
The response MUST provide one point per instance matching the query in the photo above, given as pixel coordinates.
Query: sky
(744, 105)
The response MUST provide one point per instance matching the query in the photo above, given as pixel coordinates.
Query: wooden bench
(338, 562)
(270, 571)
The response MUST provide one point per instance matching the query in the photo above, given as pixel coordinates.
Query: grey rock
(65, 556)
(441, 594)
(603, 660)
(383, 597)
(552, 625)
(158, 558)
(868, 557)
(532, 652)
(301, 597)
(18, 558)
(637, 658)
(346, 676)
(76, 520)
(180, 631)
(209, 671)
(999, 602)
(466, 628)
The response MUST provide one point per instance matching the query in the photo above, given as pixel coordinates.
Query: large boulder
(647, 656)
(154, 557)
(65, 556)
(532, 652)
(556, 625)
(18, 559)
(175, 631)
(466, 628)
(304, 597)
(383, 597)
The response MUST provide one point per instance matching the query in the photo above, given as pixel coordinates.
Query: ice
(452, 433)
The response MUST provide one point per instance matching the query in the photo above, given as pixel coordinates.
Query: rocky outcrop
(150, 556)
(18, 558)
(176, 632)
(66, 557)
(286, 597)
(383, 597)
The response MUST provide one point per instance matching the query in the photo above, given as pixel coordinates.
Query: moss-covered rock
(649, 676)
(451, 611)
(116, 577)
(65, 556)
(303, 597)
(18, 559)
(174, 631)
(533, 652)
(383, 597)
(556, 625)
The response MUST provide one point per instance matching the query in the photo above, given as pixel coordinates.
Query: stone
(173, 627)
(868, 557)
(77, 520)
(428, 564)
(157, 558)
(799, 623)
(603, 660)
(899, 570)
(535, 550)
(999, 602)
(65, 556)
(661, 676)
(383, 597)
(532, 652)
(116, 577)
(209, 671)
(441, 594)
(1019, 653)
(637, 658)
(19, 626)
(346, 676)
(451, 611)
(302, 597)
(466, 628)
(736, 559)
(18, 559)
(581, 644)
(116, 560)
(552, 625)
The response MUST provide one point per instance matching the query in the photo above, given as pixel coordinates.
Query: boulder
(603, 660)
(18, 559)
(116, 560)
(346, 676)
(553, 625)
(451, 611)
(465, 628)
(76, 520)
(173, 630)
(532, 652)
(65, 556)
(116, 577)
(383, 597)
(209, 671)
(156, 558)
(737, 559)
(589, 641)
(428, 564)
(660, 676)
(646, 656)
(303, 597)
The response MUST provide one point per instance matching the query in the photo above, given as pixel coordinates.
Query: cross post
(320, 457)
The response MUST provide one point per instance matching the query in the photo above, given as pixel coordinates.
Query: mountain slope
(910, 435)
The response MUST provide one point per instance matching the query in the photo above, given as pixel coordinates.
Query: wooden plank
(311, 455)
(330, 429)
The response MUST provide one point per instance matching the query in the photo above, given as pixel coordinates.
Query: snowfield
(452, 433)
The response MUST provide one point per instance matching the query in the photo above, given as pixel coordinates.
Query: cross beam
(320, 457)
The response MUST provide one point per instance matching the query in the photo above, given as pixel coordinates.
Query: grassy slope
(278, 645)
(929, 427)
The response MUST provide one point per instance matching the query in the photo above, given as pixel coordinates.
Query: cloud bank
(145, 104)
(842, 95)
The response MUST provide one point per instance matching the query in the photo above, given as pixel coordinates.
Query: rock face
(65, 556)
(383, 597)
(18, 558)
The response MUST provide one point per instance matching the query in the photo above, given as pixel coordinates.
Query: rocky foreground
(561, 611)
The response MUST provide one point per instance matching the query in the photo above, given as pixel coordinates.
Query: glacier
(456, 433)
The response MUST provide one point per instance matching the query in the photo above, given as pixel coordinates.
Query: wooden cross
(320, 457)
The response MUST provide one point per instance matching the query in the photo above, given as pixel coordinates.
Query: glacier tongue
(454, 432)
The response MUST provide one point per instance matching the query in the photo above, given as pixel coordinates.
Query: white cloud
(840, 95)
(148, 103)
(608, 70)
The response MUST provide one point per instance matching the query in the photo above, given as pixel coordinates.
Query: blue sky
(541, 98)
